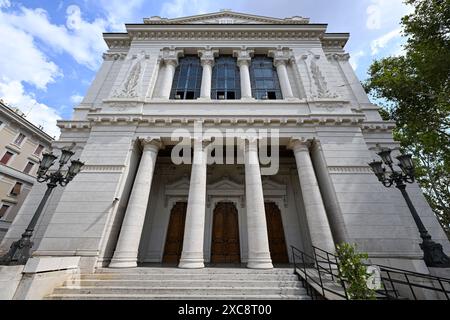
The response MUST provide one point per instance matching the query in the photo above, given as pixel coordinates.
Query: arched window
(226, 82)
(264, 79)
(187, 79)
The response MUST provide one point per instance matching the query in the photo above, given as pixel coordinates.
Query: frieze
(112, 56)
(103, 168)
(338, 56)
(353, 170)
(224, 35)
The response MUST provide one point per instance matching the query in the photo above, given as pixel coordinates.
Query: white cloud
(21, 60)
(119, 12)
(79, 38)
(5, 4)
(382, 41)
(180, 8)
(76, 99)
(354, 58)
(37, 113)
(385, 13)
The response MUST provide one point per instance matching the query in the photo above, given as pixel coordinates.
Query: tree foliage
(415, 90)
(353, 271)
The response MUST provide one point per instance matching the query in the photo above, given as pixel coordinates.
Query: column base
(191, 264)
(122, 263)
(261, 263)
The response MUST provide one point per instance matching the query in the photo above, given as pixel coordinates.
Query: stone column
(126, 252)
(169, 59)
(194, 229)
(258, 241)
(318, 225)
(280, 59)
(243, 61)
(329, 196)
(207, 61)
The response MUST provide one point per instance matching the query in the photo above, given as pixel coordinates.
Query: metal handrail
(323, 263)
(320, 269)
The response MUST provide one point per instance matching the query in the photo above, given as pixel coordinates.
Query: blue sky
(51, 49)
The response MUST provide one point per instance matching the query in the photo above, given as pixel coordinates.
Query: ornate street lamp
(19, 252)
(433, 254)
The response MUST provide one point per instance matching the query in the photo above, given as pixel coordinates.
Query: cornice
(335, 40)
(23, 123)
(377, 126)
(179, 120)
(74, 124)
(213, 32)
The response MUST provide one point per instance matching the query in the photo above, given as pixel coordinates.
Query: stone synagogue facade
(132, 204)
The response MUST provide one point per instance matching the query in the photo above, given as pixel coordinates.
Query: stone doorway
(175, 234)
(225, 247)
(275, 232)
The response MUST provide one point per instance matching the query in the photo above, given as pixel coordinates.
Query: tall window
(6, 157)
(226, 82)
(16, 190)
(28, 167)
(3, 210)
(264, 79)
(188, 79)
(19, 139)
(38, 150)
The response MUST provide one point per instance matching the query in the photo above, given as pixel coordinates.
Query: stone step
(153, 270)
(171, 283)
(173, 297)
(197, 276)
(181, 290)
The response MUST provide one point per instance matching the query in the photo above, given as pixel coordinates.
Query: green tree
(353, 271)
(415, 90)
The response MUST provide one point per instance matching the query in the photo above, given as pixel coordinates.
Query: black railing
(323, 265)
(398, 282)
(395, 283)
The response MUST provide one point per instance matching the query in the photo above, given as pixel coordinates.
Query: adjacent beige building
(21, 147)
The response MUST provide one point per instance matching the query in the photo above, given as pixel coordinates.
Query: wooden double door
(225, 244)
(275, 233)
(175, 234)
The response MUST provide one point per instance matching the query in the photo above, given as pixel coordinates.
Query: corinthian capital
(207, 56)
(243, 56)
(171, 55)
(151, 143)
(281, 56)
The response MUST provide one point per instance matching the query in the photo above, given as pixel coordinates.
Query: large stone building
(21, 148)
(245, 75)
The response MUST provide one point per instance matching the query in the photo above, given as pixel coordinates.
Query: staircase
(184, 284)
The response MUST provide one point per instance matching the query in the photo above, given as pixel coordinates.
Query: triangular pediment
(181, 185)
(226, 17)
(271, 185)
(225, 184)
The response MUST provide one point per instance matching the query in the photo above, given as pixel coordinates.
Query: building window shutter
(17, 188)
(6, 157)
(38, 150)
(19, 139)
(3, 210)
(28, 167)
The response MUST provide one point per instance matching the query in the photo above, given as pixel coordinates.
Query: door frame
(213, 208)
(214, 200)
(280, 204)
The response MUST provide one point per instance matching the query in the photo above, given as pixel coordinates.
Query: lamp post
(19, 252)
(433, 254)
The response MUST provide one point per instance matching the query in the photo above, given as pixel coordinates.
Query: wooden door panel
(225, 246)
(275, 232)
(175, 233)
